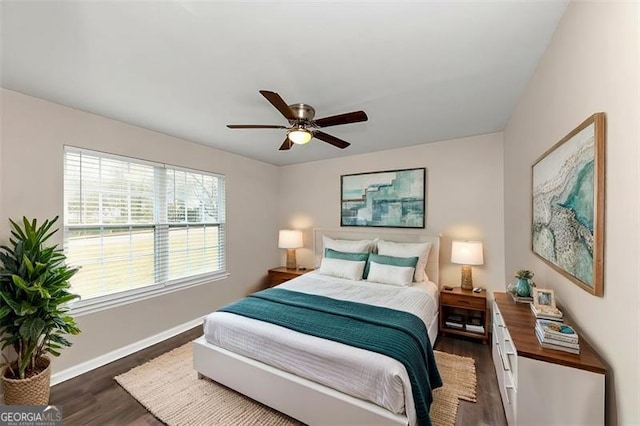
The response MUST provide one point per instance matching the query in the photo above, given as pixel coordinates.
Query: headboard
(395, 235)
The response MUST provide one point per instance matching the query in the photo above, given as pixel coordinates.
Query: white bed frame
(302, 399)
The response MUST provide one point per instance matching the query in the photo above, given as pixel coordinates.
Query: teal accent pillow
(390, 260)
(354, 257)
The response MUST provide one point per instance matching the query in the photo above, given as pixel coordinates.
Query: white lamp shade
(467, 253)
(290, 239)
(299, 136)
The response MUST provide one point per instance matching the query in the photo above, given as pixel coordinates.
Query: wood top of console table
(520, 322)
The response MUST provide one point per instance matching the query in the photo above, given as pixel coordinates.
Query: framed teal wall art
(392, 199)
(568, 205)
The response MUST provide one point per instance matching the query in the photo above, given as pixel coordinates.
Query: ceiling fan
(302, 125)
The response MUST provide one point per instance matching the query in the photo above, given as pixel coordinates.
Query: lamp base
(291, 259)
(467, 281)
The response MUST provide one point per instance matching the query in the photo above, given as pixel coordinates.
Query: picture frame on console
(544, 299)
(568, 195)
(390, 199)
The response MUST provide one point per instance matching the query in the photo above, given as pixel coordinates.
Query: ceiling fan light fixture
(301, 118)
(299, 136)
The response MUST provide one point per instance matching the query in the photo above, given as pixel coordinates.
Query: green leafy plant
(34, 288)
(523, 273)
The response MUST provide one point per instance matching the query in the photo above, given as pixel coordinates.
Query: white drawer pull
(505, 365)
(506, 393)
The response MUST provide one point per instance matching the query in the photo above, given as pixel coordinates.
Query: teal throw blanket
(390, 332)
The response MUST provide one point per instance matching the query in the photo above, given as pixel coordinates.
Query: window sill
(90, 306)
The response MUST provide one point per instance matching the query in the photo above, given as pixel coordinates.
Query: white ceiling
(423, 72)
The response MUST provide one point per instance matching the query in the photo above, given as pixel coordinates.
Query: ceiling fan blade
(279, 103)
(331, 139)
(286, 145)
(349, 117)
(254, 126)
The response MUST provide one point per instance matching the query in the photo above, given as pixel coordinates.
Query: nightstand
(464, 313)
(282, 274)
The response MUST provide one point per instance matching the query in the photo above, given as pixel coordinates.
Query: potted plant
(34, 288)
(523, 287)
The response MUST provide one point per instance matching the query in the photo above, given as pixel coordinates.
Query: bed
(314, 380)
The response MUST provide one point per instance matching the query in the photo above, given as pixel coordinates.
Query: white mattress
(357, 372)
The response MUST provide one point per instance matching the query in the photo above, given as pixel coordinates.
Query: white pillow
(347, 246)
(421, 250)
(339, 268)
(389, 274)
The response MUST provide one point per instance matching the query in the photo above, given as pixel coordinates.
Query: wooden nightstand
(282, 274)
(464, 313)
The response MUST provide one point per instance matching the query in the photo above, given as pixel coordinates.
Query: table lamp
(290, 240)
(466, 253)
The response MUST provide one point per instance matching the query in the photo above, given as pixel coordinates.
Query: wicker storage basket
(31, 391)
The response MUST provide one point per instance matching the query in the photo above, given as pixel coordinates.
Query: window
(135, 227)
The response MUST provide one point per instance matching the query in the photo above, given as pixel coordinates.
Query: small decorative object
(544, 299)
(34, 288)
(523, 286)
(466, 253)
(568, 205)
(290, 240)
(392, 199)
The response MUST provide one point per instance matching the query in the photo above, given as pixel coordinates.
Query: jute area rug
(169, 388)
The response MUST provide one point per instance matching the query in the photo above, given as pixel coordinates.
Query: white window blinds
(132, 224)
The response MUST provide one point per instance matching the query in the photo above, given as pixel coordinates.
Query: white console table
(543, 386)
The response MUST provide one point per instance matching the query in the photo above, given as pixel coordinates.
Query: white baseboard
(94, 363)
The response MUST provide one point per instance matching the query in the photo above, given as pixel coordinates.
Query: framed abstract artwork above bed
(392, 199)
(568, 205)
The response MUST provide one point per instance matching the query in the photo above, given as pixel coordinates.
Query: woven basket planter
(31, 391)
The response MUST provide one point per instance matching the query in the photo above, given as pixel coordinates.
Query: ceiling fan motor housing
(303, 112)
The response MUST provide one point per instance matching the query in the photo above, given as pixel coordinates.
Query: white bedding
(357, 372)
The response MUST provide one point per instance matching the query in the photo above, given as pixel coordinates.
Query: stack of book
(454, 321)
(556, 335)
(474, 325)
(547, 312)
(520, 299)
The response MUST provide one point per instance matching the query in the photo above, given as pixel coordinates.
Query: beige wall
(33, 134)
(464, 197)
(591, 65)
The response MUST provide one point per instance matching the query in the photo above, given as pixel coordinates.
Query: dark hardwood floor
(488, 410)
(94, 398)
